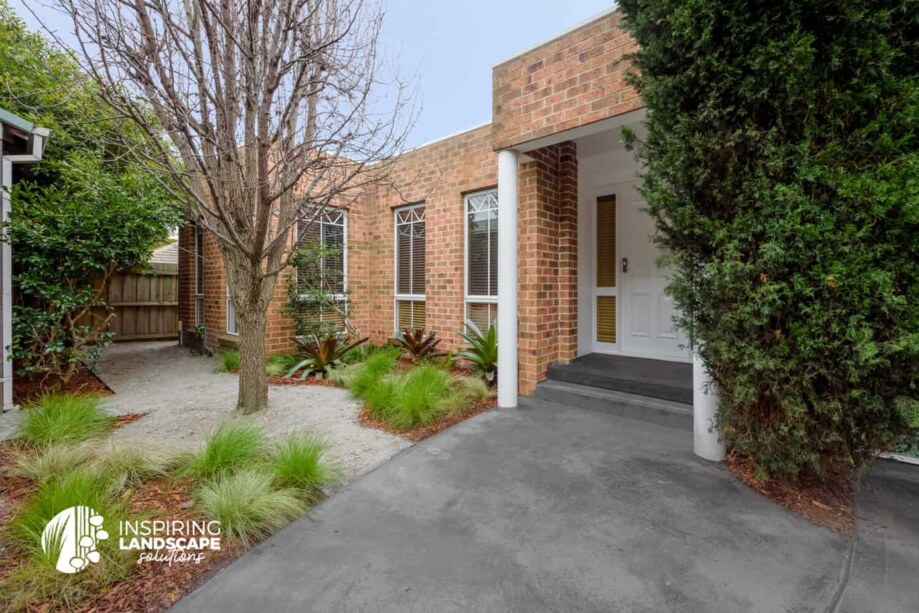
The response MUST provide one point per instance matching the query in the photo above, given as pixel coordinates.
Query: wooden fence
(145, 303)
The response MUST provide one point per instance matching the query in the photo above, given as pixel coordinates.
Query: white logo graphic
(71, 535)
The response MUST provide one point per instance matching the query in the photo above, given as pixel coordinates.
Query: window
(323, 265)
(199, 276)
(482, 258)
(410, 267)
(328, 231)
(232, 326)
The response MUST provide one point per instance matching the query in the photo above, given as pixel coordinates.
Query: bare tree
(256, 108)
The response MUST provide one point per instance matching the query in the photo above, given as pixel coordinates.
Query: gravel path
(186, 399)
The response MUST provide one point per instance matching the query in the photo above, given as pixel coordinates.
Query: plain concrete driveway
(545, 508)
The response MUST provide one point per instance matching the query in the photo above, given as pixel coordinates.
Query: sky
(448, 47)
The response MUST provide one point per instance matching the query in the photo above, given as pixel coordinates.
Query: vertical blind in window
(327, 231)
(410, 267)
(482, 258)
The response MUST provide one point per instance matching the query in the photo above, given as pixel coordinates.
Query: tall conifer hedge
(782, 170)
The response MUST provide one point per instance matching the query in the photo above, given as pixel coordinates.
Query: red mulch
(157, 585)
(84, 381)
(298, 381)
(438, 426)
(828, 503)
(129, 418)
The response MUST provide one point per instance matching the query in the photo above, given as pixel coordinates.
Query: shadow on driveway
(542, 508)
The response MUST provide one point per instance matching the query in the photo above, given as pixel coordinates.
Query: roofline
(16, 121)
(562, 34)
(447, 137)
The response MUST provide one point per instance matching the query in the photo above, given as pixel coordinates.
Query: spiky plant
(482, 351)
(321, 354)
(419, 345)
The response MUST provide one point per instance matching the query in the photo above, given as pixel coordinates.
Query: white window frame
(232, 330)
(473, 299)
(395, 233)
(198, 297)
(344, 248)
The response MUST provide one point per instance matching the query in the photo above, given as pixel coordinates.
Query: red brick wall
(279, 327)
(437, 175)
(571, 81)
(547, 238)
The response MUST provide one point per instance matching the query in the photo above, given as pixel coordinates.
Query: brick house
(532, 220)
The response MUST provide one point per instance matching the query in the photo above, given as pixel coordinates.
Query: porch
(582, 292)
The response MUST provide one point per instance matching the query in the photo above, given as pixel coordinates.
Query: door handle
(625, 264)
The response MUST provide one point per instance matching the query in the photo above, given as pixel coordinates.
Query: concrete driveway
(549, 508)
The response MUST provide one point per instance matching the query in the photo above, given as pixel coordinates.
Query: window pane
(482, 243)
(606, 241)
(333, 265)
(418, 257)
(482, 314)
(411, 314)
(404, 260)
(478, 266)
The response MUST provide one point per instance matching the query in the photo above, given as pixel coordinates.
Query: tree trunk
(253, 382)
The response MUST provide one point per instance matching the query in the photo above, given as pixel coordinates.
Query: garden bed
(84, 381)
(249, 484)
(419, 434)
(829, 503)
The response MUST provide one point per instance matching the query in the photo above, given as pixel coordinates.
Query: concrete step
(652, 378)
(631, 406)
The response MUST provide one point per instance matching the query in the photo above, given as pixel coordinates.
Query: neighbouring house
(20, 142)
(532, 221)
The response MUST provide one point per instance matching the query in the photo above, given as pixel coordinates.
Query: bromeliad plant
(419, 346)
(321, 354)
(482, 351)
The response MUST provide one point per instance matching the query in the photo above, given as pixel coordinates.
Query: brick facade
(569, 82)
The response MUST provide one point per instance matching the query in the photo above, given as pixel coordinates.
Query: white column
(6, 291)
(707, 440)
(507, 278)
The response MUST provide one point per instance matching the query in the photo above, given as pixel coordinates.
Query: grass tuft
(230, 447)
(64, 418)
(278, 365)
(300, 462)
(45, 463)
(229, 361)
(363, 376)
(421, 397)
(247, 505)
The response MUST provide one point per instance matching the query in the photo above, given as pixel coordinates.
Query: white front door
(645, 311)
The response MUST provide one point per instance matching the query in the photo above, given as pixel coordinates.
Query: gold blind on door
(606, 241)
(606, 319)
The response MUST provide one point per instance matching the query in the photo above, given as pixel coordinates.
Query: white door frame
(588, 207)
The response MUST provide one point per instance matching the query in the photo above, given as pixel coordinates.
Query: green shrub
(248, 505)
(780, 166)
(380, 397)
(64, 418)
(361, 377)
(230, 446)
(229, 361)
(300, 462)
(421, 397)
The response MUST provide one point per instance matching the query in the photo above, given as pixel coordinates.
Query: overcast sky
(448, 46)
